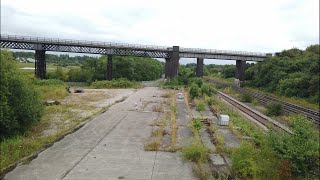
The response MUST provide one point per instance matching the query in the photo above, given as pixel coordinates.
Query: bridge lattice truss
(121, 49)
(83, 49)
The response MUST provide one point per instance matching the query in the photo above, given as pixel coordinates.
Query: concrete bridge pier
(109, 68)
(40, 64)
(166, 67)
(240, 70)
(172, 63)
(199, 68)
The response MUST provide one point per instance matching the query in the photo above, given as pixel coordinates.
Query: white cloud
(247, 25)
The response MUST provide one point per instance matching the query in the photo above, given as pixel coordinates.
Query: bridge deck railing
(80, 42)
(138, 47)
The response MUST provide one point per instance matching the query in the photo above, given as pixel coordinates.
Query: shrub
(207, 90)
(49, 82)
(58, 74)
(79, 75)
(301, 149)
(172, 83)
(243, 160)
(115, 83)
(200, 105)
(194, 90)
(195, 152)
(196, 123)
(274, 109)
(20, 105)
(246, 97)
(210, 101)
(197, 81)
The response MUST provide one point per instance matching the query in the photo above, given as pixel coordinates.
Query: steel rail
(266, 121)
(288, 108)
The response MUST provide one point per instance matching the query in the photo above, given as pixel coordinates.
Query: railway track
(288, 108)
(265, 120)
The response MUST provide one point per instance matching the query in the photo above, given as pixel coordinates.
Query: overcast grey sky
(244, 25)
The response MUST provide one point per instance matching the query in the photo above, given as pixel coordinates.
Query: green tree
(20, 105)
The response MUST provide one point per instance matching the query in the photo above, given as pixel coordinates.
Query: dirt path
(111, 146)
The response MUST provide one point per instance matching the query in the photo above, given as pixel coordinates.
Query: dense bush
(115, 83)
(79, 75)
(228, 71)
(20, 105)
(292, 73)
(194, 90)
(172, 83)
(300, 150)
(243, 160)
(131, 68)
(58, 74)
(49, 82)
(246, 97)
(197, 81)
(274, 109)
(208, 90)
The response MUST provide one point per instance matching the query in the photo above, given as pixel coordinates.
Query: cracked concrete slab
(110, 146)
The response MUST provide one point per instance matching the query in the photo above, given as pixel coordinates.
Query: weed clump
(274, 109)
(200, 105)
(196, 124)
(246, 97)
(195, 152)
(201, 171)
(152, 145)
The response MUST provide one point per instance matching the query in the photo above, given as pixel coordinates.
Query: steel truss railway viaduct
(170, 54)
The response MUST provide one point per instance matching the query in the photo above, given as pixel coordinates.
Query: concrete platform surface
(111, 146)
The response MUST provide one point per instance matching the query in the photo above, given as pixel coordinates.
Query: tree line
(131, 68)
(291, 73)
(95, 68)
(60, 60)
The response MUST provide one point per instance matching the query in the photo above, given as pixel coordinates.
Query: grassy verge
(115, 83)
(55, 123)
(173, 122)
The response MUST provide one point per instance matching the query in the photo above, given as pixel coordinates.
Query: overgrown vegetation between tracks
(261, 155)
(275, 154)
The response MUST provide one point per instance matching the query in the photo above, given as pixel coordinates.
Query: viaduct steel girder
(121, 49)
(84, 49)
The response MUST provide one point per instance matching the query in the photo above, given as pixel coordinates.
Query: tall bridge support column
(240, 70)
(40, 64)
(172, 64)
(199, 69)
(109, 67)
(166, 68)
